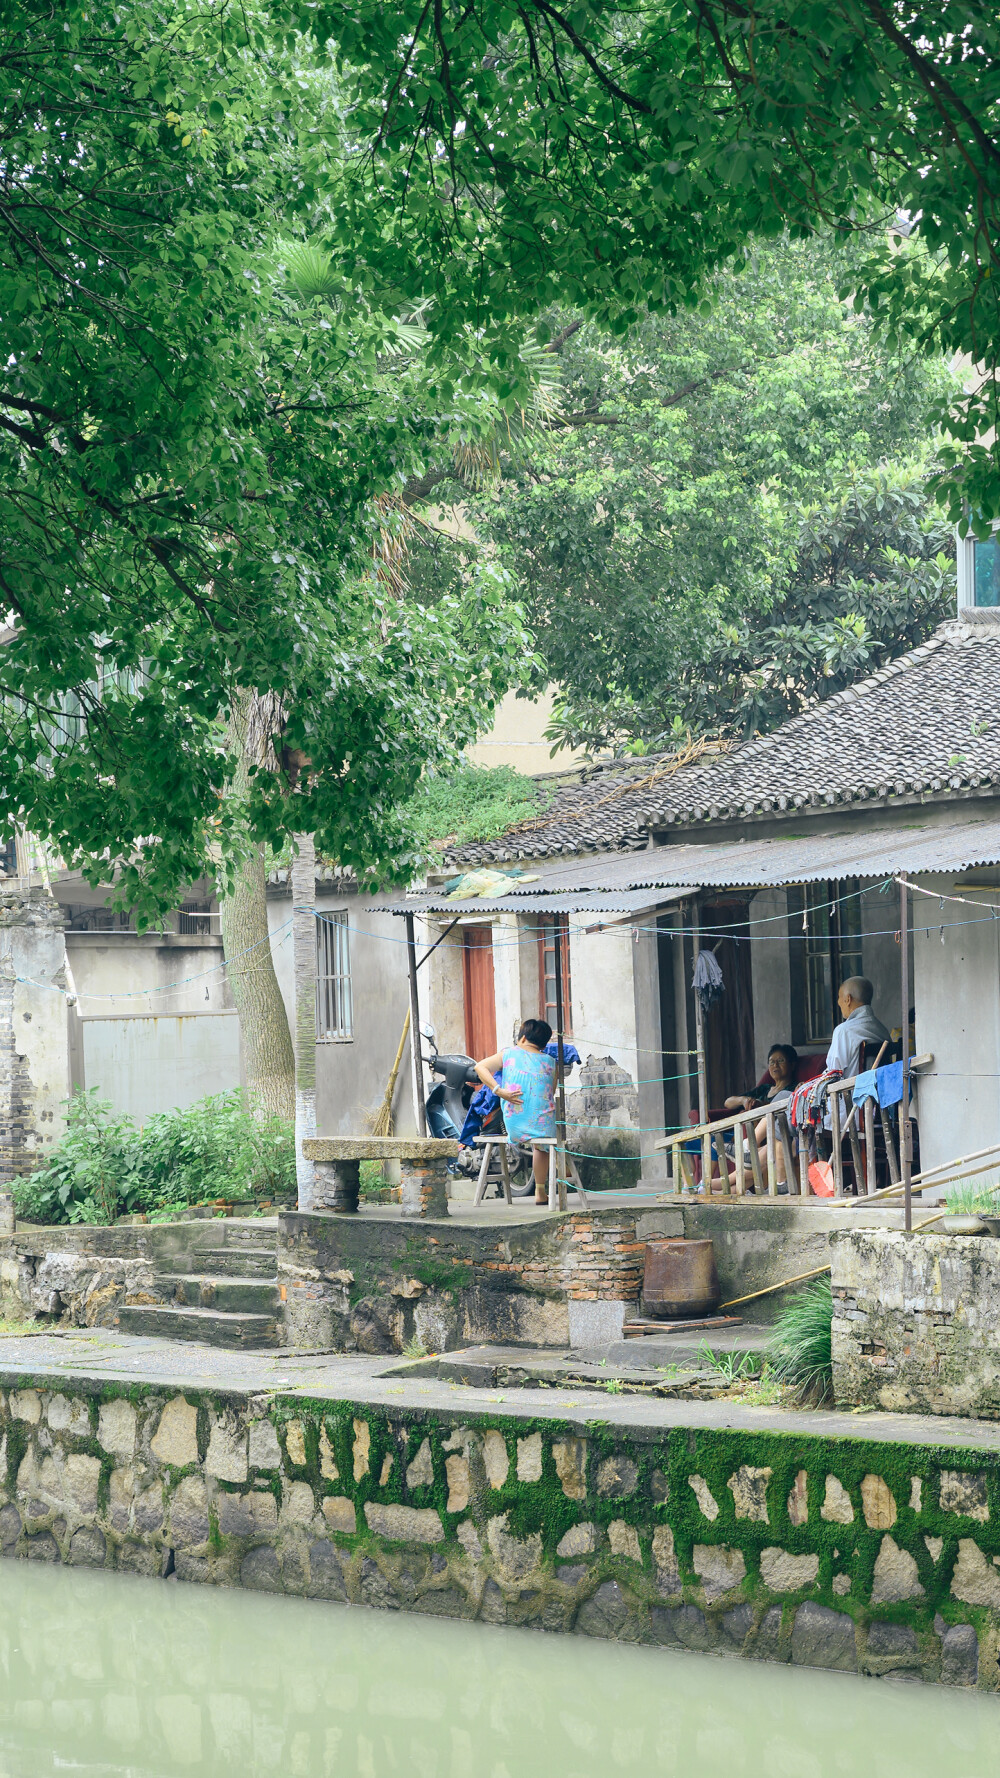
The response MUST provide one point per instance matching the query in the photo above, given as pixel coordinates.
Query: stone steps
(236, 1296)
(219, 1284)
(208, 1327)
(220, 1262)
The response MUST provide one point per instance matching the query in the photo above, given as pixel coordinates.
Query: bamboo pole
(943, 1173)
(699, 1038)
(905, 1148)
(560, 1070)
(769, 1289)
(416, 1071)
(838, 1145)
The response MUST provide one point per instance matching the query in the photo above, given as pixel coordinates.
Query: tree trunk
(266, 1042)
(304, 952)
(268, 1058)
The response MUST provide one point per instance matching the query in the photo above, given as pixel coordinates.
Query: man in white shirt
(860, 1026)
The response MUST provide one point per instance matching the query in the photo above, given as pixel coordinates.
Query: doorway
(480, 999)
(729, 1032)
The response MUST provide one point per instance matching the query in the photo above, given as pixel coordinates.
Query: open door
(480, 1000)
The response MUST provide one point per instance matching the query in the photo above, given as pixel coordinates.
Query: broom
(380, 1121)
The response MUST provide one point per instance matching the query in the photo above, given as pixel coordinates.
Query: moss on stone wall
(780, 1546)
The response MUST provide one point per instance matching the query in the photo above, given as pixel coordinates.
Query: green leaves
(202, 415)
(663, 538)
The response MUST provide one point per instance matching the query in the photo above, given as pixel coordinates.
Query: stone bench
(423, 1167)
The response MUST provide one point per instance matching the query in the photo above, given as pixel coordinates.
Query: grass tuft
(800, 1351)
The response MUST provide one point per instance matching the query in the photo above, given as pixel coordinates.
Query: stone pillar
(425, 1187)
(34, 1030)
(337, 1185)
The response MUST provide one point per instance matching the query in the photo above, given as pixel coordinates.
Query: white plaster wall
(148, 1065)
(603, 995)
(770, 975)
(957, 1002)
(508, 942)
(351, 1075)
(129, 972)
(442, 996)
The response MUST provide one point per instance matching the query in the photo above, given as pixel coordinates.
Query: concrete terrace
(96, 1357)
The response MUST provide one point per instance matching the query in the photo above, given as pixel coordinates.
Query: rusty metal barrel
(680, 1279)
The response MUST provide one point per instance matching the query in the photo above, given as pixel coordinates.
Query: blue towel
(865, 1087)
(890, 1083)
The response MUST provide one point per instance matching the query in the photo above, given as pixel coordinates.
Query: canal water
(121, 1678)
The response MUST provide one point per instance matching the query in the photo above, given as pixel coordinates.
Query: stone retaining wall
(351, 1283)
(871, 1558)
(916, 1322)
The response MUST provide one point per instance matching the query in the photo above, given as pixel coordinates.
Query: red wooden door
(480, 1002)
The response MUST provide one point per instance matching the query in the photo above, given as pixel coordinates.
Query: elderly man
(860, 1026)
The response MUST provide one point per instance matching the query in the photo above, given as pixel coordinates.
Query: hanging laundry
(865, 1087)
(707, 980)
(889, 1083)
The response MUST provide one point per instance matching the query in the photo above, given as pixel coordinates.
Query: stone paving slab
(98, 1355)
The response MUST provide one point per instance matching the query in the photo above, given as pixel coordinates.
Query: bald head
(856, 991)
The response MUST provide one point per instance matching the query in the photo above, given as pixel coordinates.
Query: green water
(107, 1675)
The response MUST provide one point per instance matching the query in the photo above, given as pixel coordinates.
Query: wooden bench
(423, 1165)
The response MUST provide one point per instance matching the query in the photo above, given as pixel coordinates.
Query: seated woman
(774, 1088)
(529, 1074)
(779, 1079)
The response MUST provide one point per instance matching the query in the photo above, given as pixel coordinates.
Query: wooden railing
(844, 1121)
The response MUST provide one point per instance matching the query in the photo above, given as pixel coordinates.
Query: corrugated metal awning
(532, 899)
(601, 883)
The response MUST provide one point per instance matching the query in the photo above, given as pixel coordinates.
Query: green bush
(107, 1166)
(800, 1349)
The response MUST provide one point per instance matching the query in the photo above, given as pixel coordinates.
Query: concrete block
(596, 1323)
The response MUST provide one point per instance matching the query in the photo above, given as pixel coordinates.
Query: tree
(614, 159)
(192, 447)
(873, 572)
(659, 531)
(266, 1047)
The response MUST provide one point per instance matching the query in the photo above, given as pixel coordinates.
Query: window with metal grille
(825, 925)
(553, 930)
(334, 1001)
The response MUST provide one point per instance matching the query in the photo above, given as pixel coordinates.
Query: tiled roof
(908, 730)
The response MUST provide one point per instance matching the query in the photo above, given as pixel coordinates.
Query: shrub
(800, 1350)
(91, 1174)
(106, 1165)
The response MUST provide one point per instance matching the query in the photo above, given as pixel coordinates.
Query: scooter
(446, 1105)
